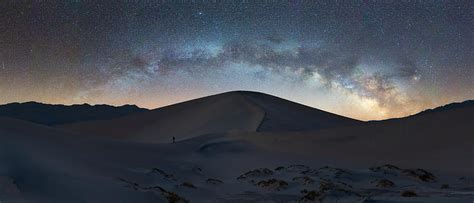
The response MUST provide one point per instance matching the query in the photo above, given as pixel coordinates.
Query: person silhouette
(174, 139)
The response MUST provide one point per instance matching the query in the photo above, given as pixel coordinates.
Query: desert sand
(240, 147)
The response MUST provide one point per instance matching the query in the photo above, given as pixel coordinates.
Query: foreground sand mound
(43, 164)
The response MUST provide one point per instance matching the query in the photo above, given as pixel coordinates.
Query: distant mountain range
(450, 106)
(277, 114)
(49, 114)
(447, 107)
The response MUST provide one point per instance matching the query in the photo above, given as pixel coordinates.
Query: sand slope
(227, 112)
(238, 164)
(439, 140)
(43, 164)
(224, 113)
(285, 115)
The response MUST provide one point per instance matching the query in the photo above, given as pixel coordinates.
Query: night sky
(362, 59)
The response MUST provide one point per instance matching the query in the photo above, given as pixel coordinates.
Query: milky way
(362, 59)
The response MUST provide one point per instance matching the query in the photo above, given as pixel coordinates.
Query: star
(329, 50)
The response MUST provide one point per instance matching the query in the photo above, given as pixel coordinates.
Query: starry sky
(362, 59)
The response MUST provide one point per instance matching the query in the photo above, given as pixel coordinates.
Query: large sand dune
(227, 112)
(232, 148)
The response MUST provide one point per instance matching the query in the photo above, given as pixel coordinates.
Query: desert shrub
(162, 173)
(384, 183)
(188, 184)
(305, 180)
(420, 174)
(273, 184)
(312, 196)
(213, 181)
(408, 193)
(384, 168)
(256, 173)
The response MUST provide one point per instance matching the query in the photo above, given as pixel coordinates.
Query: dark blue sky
(364, 59)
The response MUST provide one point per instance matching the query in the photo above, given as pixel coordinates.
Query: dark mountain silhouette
(48, 114)
(451, 106)
(448, 107)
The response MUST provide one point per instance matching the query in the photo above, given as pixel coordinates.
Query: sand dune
(440, 140)
(234, 148)
(231, 112)
(227, 112)
(284, 115)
